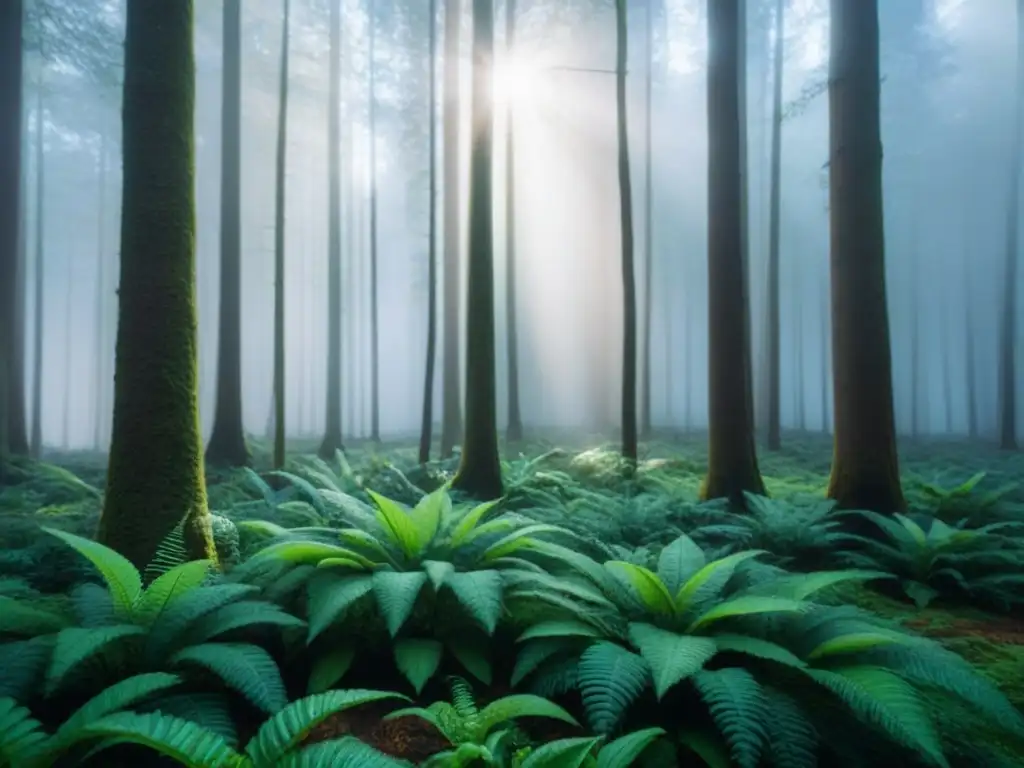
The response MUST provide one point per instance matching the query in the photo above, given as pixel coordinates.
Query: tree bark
(732, 459)
(479, 472)
(774, 210)
(36, 441)
(332, 442)
(427, 421)
(645, 352)
(155, 478)
(279, 243)
(515, 417)
(865, 467)
(227, 440)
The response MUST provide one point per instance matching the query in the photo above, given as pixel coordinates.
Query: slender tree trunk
(332, 442)
(479, 472)
(732, 459)
(279, 243)
(374, 320)
(515, 418)
(227, 440)
(825, 356)
(11, 221)
(451, 417)
(629, 426)
(915, 345)
(775, 206)
(427, 421)
(970, 358)
(156, 451)
(865, 467)
(69, 315)
(691, 337)
(645, 353)
(799, 370)
(99, 330)
(1008, 324)
(40, 267)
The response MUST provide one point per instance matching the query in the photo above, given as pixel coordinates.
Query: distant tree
(427, 421)
(227, 440)
(1008, 324)
(774, 213)
(479, 472)
(629, 425)
(155, 478)
(515, 416)
(865, 468)
(11, 19)
(36, 423)
(332, 441)
(374, 319)
(645, 352)
(279, 241)
(451, 416)
(732, 459)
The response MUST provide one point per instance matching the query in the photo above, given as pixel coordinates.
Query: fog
(947, 114)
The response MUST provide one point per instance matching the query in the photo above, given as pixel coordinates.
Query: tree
(515, 416)
(155, 478)
(427, 422)
(36, 438)
(732, 459)
(11, 17)
(227, 440)
(1008, 315)
(479, 472)
(629, 426)
(374, 319)
(774, 211)
(645, 354)
(279, 240)
(865, 468)
(451, 417)
(332, 441)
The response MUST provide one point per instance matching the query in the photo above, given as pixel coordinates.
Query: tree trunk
(451, 417)
(69, 315)
(99, 329)
(279, 241)
(155, 478)
(732, 459)
(36, 446)
(374, 320)
(1008, 324)
(11, 192)
(915, 344)
(515, 417)
(865, 467)
(227, 440)
(427, 421)
(825, 357)
(332, 442)
(645, 353)
(774, 210)
(479, 472)
(970, 359)
(629, 426)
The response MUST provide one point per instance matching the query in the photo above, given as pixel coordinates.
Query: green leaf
(469, 521)
(122, 578)
(20, 618)
(329, 668)
(610, 680)
(746, 605)
(626, 750)
(516, 540)
(245, 668)
(567, 628)
(758, 648)
(79, 645)
(563, 753)
(648, 586)
(723, 568)
(479, 592)
(397, 524)
(853, 642)
(473, 656)
(427, 515)
(520, 705)
(121, 695)
(330, 597)
(418, 660)
(396, 594)
(678, 561)
(671, 656)
(183, 741)
(535, 653)
(438, 571)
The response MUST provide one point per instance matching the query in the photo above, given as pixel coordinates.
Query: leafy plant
(595, 752)
(780, 678)
(963, 501)
(932, 559)
(477, 734)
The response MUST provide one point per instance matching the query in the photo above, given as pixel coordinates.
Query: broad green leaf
(418, 660)
(396, 594)
(671, 656)
(329, 668)
(397, 524)
(624, 751)
(722, 566)
(122, 578)
(427, 515)
(169, 586)
(517, 540)
(469, 521)
(648, 586)
(853, 642)
(567, 628)
(563, 753)
(521, 705)
(678, 562)
(438, 571)
(479, 592)
(746, 606)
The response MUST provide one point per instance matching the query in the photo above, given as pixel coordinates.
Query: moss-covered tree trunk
(732, 459)
(11, 15)
(332, 441)
(865, 469)
(227, 440)
(479, 471)
(280, 186)
(451, 398)
(628, 404)
(427, 420)
(155, 478)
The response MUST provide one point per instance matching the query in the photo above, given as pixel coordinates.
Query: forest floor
(574, 485)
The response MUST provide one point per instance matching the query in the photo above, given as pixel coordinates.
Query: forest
(511, 383)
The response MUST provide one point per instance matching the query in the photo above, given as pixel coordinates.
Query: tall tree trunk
(515, 418)
(279, 242)
(11, 222)
(36, 446)
(227, 440)
(374, 320)
(427, 421)
(156, 451)
(99, 330)
(629, 426)
(732, 459)
(332, 442)
(69, 315)
(774, 210)
(825, 357)
(915, 344)
(1008, 324)
(451, 417)
(970, 357)
(865, 467)
(645, 353)
(479, 472)
(799, 371)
